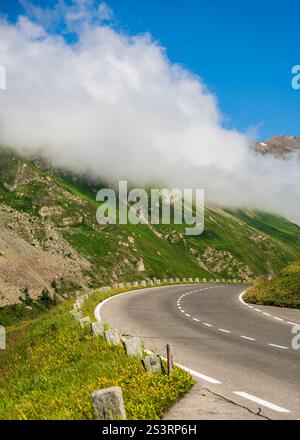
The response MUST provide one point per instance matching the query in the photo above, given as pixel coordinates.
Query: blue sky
(243, 50)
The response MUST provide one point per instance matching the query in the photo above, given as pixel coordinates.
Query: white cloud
(105, 12)
(114, 105)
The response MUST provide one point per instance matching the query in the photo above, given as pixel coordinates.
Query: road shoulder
(201, 403)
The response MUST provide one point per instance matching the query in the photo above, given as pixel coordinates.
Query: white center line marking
(207, 325)
(247, 337)
(187, 314)
(195, 319)
(278, 319)
(279, 346)
(261, 402)
(182, 311)
(224, 331)
(267, 314)
(292, 323)
(257, 310)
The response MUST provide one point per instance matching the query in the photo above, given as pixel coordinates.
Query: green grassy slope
(51, 367)
(233, 245)
(282, 291)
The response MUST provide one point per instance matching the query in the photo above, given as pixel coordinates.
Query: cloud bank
(114, 106)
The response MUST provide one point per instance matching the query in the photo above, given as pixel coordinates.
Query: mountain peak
(279, 146)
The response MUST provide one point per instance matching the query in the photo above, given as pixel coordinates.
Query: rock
(196, 280)
(85, 322)
(135, 283)
(133, 347)
(97, 328)
(128, 284)
(157, 282)
(46, 211)
(190, 280)
(171, 280)
(177, 280)
(150, 283)
(112, 336)
(143, 283)
(184, 280)
(152, 364)
(108, 404)
(8, 187)
(140, 267)
(204, 280)
(130, 239)
(121, 285)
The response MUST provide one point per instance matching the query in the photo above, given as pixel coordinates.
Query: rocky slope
(49, 233)
(279, 146)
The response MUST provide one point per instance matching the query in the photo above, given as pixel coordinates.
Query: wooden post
(169, 359)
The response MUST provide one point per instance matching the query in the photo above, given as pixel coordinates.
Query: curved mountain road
(241, 352)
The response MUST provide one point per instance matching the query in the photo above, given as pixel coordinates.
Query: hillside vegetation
(282, 291)
(51, 367)
(49, 237)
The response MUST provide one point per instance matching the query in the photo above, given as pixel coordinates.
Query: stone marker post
(2, 337)
(97, 328)
(133, 347)
(77, 315)
(108, 404)
(112, 336)
(85, 322)
(152, 364)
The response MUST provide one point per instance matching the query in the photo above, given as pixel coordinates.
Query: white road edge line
(265, 313)
(241, 298)
(261, 402)
(189, 370)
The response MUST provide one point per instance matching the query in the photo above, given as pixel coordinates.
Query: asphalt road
(243, 354)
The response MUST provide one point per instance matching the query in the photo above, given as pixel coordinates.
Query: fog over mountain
(113, 105)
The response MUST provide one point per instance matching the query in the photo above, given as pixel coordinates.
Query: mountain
(279, 146)
(49, 237)
(283, 290)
